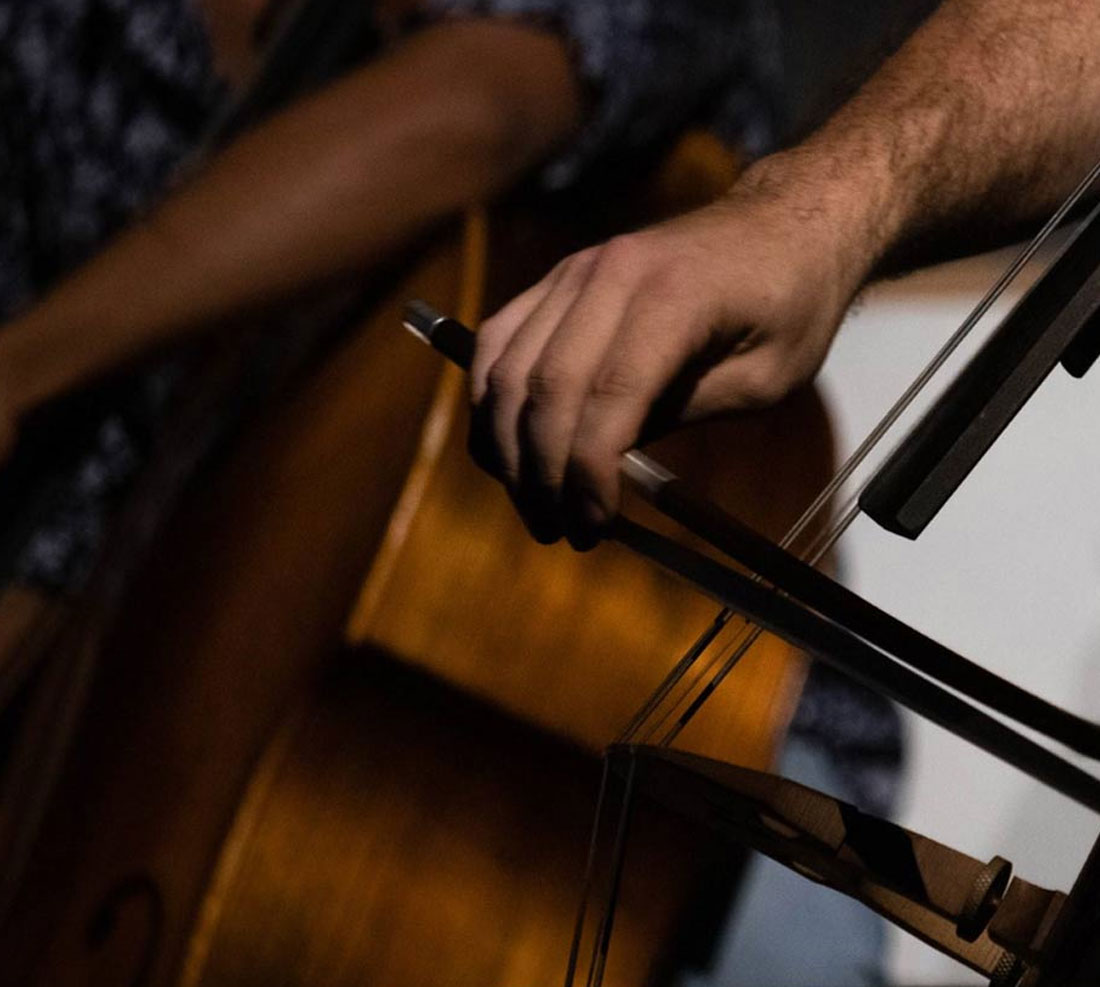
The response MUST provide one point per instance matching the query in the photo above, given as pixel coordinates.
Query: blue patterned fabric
(101, 99)
(99, 102)
(649, 68)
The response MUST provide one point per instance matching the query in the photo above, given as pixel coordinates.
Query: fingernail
(589, 525)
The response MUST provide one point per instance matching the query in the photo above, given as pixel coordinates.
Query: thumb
(742, 382)
(748, 381)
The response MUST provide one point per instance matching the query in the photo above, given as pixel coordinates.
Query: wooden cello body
(250, 799)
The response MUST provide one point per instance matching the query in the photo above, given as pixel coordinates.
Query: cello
(155, 803)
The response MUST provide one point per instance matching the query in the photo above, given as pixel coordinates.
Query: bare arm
(326, 187)
(986, 117)
(989, 115)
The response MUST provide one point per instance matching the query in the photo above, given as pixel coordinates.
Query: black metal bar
(611, 904)
(589, 876)
(918, 479)
(1074, 946)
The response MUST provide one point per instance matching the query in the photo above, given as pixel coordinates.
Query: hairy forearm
(325, 188)
(984, 120)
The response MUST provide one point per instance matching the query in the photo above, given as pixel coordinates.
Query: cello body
(259, 792)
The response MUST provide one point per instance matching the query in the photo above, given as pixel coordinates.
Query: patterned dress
(100, 100)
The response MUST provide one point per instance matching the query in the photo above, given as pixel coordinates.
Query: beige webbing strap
(973, 911)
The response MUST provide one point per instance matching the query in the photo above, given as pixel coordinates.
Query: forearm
(984, 120)
(322, 190)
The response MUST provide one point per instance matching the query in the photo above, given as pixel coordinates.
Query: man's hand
(725, 310)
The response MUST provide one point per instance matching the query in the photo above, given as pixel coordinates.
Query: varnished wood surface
(445, 843)
(28, 620)
(577, 642)
(189, 768)
(243, 601)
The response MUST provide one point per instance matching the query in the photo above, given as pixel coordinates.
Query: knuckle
(548, 474)
(508, 475)
(504, 379)
(498, 328)
(547, 382)
(574, 268)
(539, 445)
(493, 325)
(622, 254)
(614, 382)
(581, 262)
(509, 472)
(666, 281)
(592, 472)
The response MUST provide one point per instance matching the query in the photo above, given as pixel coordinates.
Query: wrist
(837, 216)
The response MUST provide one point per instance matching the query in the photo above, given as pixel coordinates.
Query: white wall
(1009, 574)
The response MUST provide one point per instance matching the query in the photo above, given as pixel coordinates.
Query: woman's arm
(328, 186)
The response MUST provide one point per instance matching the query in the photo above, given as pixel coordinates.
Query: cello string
(589, 875)
(646, 735)
(733, 651)
(618, 862)
(697, 649)
(991, 297)
(842, 647)
(822, 546)
(747, 636)
(875, 436)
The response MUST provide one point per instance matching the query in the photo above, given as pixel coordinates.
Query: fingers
(648, 350)
(558, 386)
(725, 309)
(508, 347)
(570, 372)
(495, 333)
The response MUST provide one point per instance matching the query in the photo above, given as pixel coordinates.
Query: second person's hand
(727, 309)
